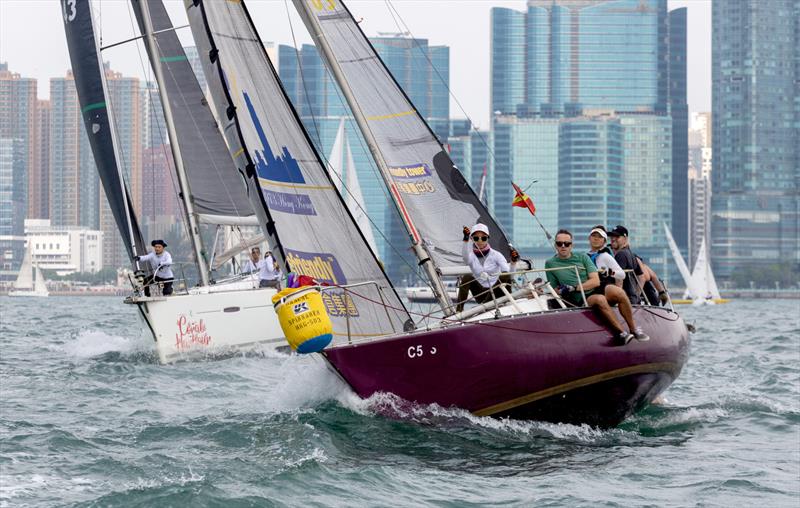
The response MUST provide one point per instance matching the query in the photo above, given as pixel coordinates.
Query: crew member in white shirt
(161, 264)
(254, 263)
(269, 274)
(486, 265)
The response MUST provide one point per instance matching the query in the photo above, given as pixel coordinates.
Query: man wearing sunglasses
(486, 265)
(568, 283)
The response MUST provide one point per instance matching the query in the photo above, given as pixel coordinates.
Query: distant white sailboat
(701, 287)
(341, 162)
(26, 284)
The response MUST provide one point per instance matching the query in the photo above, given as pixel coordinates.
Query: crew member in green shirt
(569, 284)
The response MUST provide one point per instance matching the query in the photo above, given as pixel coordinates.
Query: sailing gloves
(466, 233)
(514, 255)
(565, 290)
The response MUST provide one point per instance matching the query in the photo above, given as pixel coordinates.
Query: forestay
(87, 69)
(218, 191)
(304, 212)
(433, 192)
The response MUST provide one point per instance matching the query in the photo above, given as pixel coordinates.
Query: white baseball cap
(479, 227)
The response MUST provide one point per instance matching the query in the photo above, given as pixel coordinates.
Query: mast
(425, 261)
(183, 181)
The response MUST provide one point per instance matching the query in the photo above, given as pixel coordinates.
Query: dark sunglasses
(481, 238)
(563, 244)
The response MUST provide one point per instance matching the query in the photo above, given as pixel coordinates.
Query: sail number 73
(328, 5)
(418, 352)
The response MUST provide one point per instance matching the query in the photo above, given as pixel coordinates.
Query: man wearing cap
(574, 275)
(486, 265)
(161, 264)
(627, 261)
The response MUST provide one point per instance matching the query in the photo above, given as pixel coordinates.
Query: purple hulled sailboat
(514, 357)
(524, 355)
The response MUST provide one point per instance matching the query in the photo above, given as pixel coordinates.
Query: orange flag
(522, 200)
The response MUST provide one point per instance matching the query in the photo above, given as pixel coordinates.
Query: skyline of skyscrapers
(755, 200)
(589, 101)
(610, 73)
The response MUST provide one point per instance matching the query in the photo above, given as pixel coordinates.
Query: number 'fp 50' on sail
(304, 212)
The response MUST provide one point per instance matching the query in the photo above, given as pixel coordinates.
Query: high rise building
(756, 124)
(321, 105)
(13, 186)
(76, 197)
(610, 72)
(73, 199)
(18, 121)
(700, 153)
(39, 179)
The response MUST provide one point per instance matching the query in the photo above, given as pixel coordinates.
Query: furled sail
(304, 215)
(433, 193)
(87, 68)
(218, 192)
(342, 164)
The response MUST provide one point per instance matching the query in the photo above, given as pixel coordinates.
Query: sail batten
(302, 213)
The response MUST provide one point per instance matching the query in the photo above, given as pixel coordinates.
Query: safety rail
(143, 282)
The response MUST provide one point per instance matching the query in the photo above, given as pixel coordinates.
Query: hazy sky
(32, 39)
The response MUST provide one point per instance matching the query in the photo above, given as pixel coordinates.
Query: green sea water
(89, 418)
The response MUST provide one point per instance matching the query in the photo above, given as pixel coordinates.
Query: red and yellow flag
(522, 200)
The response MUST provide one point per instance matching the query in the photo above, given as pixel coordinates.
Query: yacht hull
(561, 366)
(204, 324)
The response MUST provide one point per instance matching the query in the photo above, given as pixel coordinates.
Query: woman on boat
(489, 267)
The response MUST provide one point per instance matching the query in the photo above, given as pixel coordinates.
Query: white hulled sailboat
(26, 284)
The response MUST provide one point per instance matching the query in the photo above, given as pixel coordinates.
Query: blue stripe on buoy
(316, 344)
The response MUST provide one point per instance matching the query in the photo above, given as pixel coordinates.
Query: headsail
(87, 68)
(433, 192)
(342, 164)
(218, 192)
(304, 215)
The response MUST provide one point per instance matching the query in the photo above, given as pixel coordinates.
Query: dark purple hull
(560, 366)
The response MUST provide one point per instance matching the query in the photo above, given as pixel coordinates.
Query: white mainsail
(25, 277)
(704, 286)
(342, 165)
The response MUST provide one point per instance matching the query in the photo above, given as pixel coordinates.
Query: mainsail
(218, 193)
(25, 275)
(704, 286)
(343, 166)
(432, 194)
(87, 68)
(303, 215)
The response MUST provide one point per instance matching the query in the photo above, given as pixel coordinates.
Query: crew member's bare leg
(600, 303)
(615, 294)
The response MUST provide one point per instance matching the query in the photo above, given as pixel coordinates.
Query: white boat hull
(28, 293)
(211, 321)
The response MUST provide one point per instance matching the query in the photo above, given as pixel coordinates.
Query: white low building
(65, 249)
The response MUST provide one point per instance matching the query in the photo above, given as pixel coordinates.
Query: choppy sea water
(89, 418)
